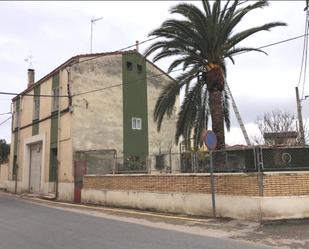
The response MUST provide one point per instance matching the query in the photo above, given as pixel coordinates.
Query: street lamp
(93, 20)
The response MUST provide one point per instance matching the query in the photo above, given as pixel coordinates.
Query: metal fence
(248, 159)
(285, 158)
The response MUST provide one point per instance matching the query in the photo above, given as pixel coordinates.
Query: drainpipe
(59, 127)
(18, 144)
(58, 142)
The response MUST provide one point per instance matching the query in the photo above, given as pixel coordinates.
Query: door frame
(40, 186)
(26, 162)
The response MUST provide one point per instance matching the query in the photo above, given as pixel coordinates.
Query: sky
(53, 32)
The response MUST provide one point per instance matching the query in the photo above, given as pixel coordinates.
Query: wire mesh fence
(249, 159)
(223, 161)
(285, 158)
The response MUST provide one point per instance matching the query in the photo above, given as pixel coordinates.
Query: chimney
(30, 77)
(137, 43)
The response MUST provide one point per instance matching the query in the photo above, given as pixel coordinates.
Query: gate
(80, 169)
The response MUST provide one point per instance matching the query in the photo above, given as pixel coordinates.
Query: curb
(115, 210)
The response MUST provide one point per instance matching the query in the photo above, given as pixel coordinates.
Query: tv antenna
(93, 20)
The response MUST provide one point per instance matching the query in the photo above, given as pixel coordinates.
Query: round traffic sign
(210, 140)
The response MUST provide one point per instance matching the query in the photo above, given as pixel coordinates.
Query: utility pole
(93, 20)
(300, 118)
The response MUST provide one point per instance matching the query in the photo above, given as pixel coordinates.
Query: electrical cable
(306, 54)
(3, 122)
(156, 75)
(142, 42)
(303, 54)
(5, 113)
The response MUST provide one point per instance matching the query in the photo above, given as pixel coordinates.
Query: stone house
(92, 102)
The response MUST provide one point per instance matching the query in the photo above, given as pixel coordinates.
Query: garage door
(35, 167)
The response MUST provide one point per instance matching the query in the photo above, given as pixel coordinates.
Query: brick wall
(286, 184)
(238, 184)
(227, 184)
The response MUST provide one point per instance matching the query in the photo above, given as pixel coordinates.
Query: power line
(5, 113)
(157, 75)
(34, 95)
(303, 69)
(139, 43)
(153, 76)
(95, 57)
(5, 120)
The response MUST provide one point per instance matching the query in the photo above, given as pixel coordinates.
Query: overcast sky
(55, 31)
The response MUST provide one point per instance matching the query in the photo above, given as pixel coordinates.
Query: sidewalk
(292, 234)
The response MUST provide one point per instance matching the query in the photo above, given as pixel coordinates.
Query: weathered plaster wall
(44, 131)
(97, 116)
(4, 172)
(163, 140)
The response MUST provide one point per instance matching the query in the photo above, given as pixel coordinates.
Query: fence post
(148, 164)
(114, 165)
(260, 170)
(212, 185)
(170, 158)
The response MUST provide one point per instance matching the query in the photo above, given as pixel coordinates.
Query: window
(139, 68)
(36, 107)
(55, 103)
(136, 123)
(129, 66)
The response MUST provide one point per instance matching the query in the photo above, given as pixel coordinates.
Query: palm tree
(202, 41)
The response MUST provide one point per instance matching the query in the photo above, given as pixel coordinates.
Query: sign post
(210, 140)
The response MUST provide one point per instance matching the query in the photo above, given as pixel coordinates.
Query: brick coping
(207, 174)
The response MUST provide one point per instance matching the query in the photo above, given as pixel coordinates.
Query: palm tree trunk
(217, 117)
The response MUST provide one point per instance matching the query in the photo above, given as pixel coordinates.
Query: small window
(129, 66)
(55, 104)
(139, 68)
(136, 123)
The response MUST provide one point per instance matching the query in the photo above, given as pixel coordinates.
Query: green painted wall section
(135, 142)
(37, 90)
(35, 122)
(55, 81)
(35, 127)
(15, 143)
(54, 131)
(53, 137)
(53, 165)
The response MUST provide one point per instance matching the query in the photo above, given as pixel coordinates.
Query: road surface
(29, 225)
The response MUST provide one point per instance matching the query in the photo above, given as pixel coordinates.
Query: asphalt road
(26, 225)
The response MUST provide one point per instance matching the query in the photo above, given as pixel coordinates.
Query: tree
(275, 122)
(201, 41)
(4, 151)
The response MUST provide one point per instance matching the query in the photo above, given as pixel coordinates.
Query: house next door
(35, 167)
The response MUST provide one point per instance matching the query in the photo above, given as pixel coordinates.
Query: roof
(75, 59)
(282, 134)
